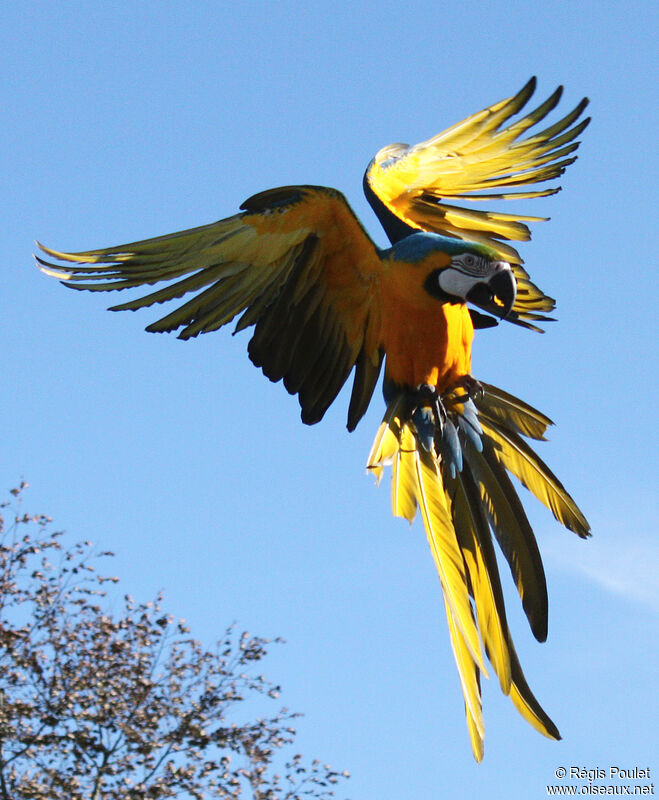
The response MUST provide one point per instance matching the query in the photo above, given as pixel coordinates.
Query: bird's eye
(471, 263)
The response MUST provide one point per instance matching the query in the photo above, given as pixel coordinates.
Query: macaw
(298, 266)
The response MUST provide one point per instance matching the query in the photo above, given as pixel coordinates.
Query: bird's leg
(428, 414)
(427, 395)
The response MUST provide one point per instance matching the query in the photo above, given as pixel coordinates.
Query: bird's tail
(457, 477)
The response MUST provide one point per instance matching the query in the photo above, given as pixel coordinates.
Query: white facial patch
(456, 283)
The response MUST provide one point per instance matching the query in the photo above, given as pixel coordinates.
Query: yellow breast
(425, 341)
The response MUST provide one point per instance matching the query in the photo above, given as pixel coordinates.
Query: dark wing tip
(312, 416)
(272, 198)
(582, 531)
(585, 101)
(540, 628)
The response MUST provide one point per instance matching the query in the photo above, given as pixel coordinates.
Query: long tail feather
(445, 550)
(462, 489)
(471, 687)
(517, 457)
(476, 543)
(514, 535)
(525, 701)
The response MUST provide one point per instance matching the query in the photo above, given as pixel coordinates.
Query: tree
(101, 705)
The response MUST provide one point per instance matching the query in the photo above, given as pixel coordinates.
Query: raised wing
(408, 185)
(296, 264)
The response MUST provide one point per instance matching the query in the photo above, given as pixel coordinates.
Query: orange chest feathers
(425, 341)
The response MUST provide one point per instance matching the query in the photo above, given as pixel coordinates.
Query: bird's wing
(481, 158)
(296, 264)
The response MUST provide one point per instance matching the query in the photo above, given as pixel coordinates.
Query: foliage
(107, 705)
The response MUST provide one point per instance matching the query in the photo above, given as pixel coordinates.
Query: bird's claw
(472, 387)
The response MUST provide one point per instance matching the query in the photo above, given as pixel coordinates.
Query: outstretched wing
(296, 264)
(408, 185)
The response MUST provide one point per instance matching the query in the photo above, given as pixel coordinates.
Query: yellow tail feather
(461, 508)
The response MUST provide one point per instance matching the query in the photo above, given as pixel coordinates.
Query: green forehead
(418, 246)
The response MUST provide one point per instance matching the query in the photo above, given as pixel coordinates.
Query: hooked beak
(497, 294)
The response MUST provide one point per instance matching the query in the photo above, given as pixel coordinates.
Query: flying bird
(298, 267)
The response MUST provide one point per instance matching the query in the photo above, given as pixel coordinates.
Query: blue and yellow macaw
(297, 266)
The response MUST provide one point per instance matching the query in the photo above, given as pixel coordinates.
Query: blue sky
(129, 120)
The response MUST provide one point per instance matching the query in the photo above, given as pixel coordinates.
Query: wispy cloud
(624, 561)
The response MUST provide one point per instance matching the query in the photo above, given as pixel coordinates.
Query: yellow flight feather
(469, 681)
(404, 482)
(535, 475)
(514, 534)
(515, 414)
(525, 701)
(445, 550)
(387, 439)
(475, 542)
(419, 484)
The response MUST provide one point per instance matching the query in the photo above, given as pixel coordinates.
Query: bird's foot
(472, 387)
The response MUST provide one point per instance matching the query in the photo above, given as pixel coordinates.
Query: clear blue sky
(128, 120)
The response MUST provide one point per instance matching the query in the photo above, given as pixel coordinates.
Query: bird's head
(477, 278)
(461, 272)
